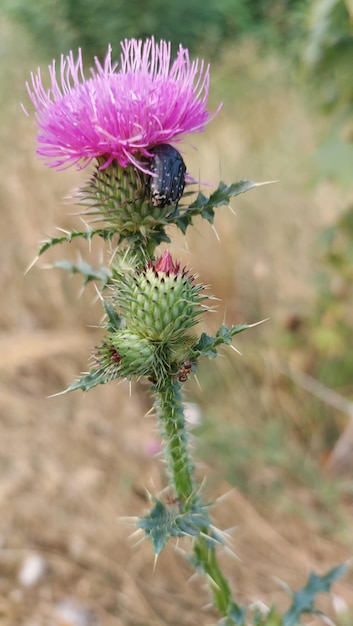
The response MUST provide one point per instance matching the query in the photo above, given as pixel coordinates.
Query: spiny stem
(172, 420)
(181, 469)
(205, 560)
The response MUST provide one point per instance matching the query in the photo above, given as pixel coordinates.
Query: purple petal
(119, 112)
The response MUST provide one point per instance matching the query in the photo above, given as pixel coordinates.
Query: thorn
(149, 495)
(266, 182)
(113, 255)
(31, 265)
(216, 233)
(258, 604)
(224, 495)
(150, 412)
(202, 484)
(266, 319)
(231, 553)
(221, 533)
(89, 240)
(213, 297)
(215, 541)
(222, 347)
(230, 531)
(60, 393)
(131, 519)
(193, 577)
(235, 349)
(212, 582)
(224, 315)
(183, 553)
(63, 230)
(99, 294)
(282, 584)
(136, 533)
(210, 309)
(47, 266)
(138, 543)
(197, 381)
(155, 562)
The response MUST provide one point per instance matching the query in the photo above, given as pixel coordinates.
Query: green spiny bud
(160, 302)
(137, 354)
(121, 197)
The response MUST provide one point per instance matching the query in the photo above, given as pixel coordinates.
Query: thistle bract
(121, 198)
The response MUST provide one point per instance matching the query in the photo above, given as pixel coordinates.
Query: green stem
(205, 560)
(181, 469)
(172, 420)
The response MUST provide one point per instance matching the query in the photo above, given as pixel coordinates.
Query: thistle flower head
(121, 110)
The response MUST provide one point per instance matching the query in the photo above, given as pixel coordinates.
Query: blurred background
(274, 427)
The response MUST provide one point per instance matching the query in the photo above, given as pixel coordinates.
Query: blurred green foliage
(331, 325)
(328, 52)
(328, 60)
(265, 465)
(198, 25)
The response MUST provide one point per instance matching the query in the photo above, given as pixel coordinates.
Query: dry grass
(70, 466)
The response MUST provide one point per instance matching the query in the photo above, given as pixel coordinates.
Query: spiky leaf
(204, 206)
(207, 345)
(303, 600)
(92, 379)
(106, 233)
(113, 319)
(87, 271)
(170, 520)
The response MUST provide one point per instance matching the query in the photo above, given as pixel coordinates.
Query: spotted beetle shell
(167, 184)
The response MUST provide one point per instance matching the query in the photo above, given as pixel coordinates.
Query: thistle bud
(124, 354)
(161, 302)
(137, 354)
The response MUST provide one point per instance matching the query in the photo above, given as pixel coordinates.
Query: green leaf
(87, 271)
(204, 206)
(114, 320)
(303, 600)
(226, 334)
(224, 192)
(207, 345)
(91, 379)
(170, 520)
(156, 526)
(106, 233)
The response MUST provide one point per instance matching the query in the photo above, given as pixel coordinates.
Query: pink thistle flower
(165, 264)
(119, 112)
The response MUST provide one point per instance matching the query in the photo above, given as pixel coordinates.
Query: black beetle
(167, 184)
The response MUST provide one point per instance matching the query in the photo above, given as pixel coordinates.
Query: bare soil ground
(73, 467)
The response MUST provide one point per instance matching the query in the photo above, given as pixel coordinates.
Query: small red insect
(184, 373)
